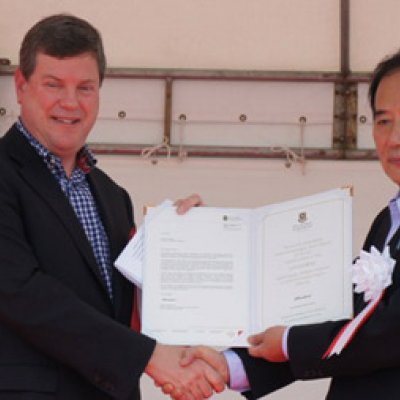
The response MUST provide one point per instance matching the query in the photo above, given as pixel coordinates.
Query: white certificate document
(196, 280)
(215, 275)
(305, 256)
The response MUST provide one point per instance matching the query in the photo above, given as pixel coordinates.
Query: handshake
(195, 373)
(188, 373)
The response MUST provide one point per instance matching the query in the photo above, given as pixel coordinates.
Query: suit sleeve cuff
(237, 375)
(285, 342)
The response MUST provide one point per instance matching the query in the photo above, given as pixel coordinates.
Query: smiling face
(387, 124)
(60, 102)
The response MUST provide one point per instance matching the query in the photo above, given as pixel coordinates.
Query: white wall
(226, 34)
(223, 34)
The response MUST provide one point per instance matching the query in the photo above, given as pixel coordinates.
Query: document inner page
(306, 261)
(196, 277)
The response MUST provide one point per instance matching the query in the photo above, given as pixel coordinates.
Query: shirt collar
(395, 199)
(85, 159)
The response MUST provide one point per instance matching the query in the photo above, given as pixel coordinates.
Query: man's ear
(20, 84)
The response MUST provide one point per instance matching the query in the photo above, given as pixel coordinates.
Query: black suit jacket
(368, 368)
(60, 335)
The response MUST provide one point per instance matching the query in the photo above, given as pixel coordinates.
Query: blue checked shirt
(77, 190)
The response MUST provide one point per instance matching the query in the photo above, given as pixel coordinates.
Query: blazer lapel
(35, 173)
(394, 245)
(105, 205)
(379, 237)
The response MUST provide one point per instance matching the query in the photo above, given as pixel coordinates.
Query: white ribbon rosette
(372, 274)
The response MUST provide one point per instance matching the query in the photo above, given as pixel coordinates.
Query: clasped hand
(185, 375)
(203, 370)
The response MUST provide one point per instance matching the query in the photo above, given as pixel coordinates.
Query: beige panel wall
(374, 33)
(226, 34)
(239, 34)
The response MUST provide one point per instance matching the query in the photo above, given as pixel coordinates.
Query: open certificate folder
(213, 276)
